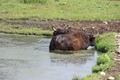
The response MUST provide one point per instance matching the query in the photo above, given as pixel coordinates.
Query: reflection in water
(28, 58)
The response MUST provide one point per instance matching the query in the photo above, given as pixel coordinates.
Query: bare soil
(93, 27)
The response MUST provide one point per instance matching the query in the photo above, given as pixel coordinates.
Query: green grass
(103, 63)
(103, 59)
(106, 42)
(35, 1)
(24, 31)
(94, 76)
(61, 9)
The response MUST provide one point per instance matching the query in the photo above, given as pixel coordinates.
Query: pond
(28, 58)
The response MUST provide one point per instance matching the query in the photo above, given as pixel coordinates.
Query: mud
(93, 27)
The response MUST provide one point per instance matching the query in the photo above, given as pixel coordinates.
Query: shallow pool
(28, 58)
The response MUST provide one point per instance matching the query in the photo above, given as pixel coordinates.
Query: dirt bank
(94, 27)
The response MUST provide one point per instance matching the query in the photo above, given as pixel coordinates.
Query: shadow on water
(28, 58)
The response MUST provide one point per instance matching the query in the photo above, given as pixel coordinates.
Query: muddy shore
(93, 27)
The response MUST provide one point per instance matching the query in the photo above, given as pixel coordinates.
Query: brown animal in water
(69, 39)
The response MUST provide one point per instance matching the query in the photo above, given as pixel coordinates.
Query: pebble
(116, 59)
(102, 73)
(117, 36)
(105, 22)
(111, 78)
(93, 27)
(117, 51)
(118, 43)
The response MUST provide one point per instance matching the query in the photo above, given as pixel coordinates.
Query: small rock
(93, 27)
(117, 52)
(102, 73)
(105, 22)
(111, 78)
(118, 43)
(116, 59)
(117, 36)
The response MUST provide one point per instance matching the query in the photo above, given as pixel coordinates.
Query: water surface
(28, 58)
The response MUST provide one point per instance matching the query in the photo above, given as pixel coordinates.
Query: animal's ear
(54, 28)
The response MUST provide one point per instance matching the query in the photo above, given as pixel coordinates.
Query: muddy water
(28, 58)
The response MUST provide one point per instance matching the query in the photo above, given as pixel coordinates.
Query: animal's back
(66, 42)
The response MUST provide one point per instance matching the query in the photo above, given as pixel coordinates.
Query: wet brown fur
(69, 39)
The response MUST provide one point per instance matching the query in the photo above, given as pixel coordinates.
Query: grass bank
(24, 31)
(60, 9)
(106, 44)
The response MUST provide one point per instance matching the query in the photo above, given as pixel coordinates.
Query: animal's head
(58, 31)
(92, 40)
